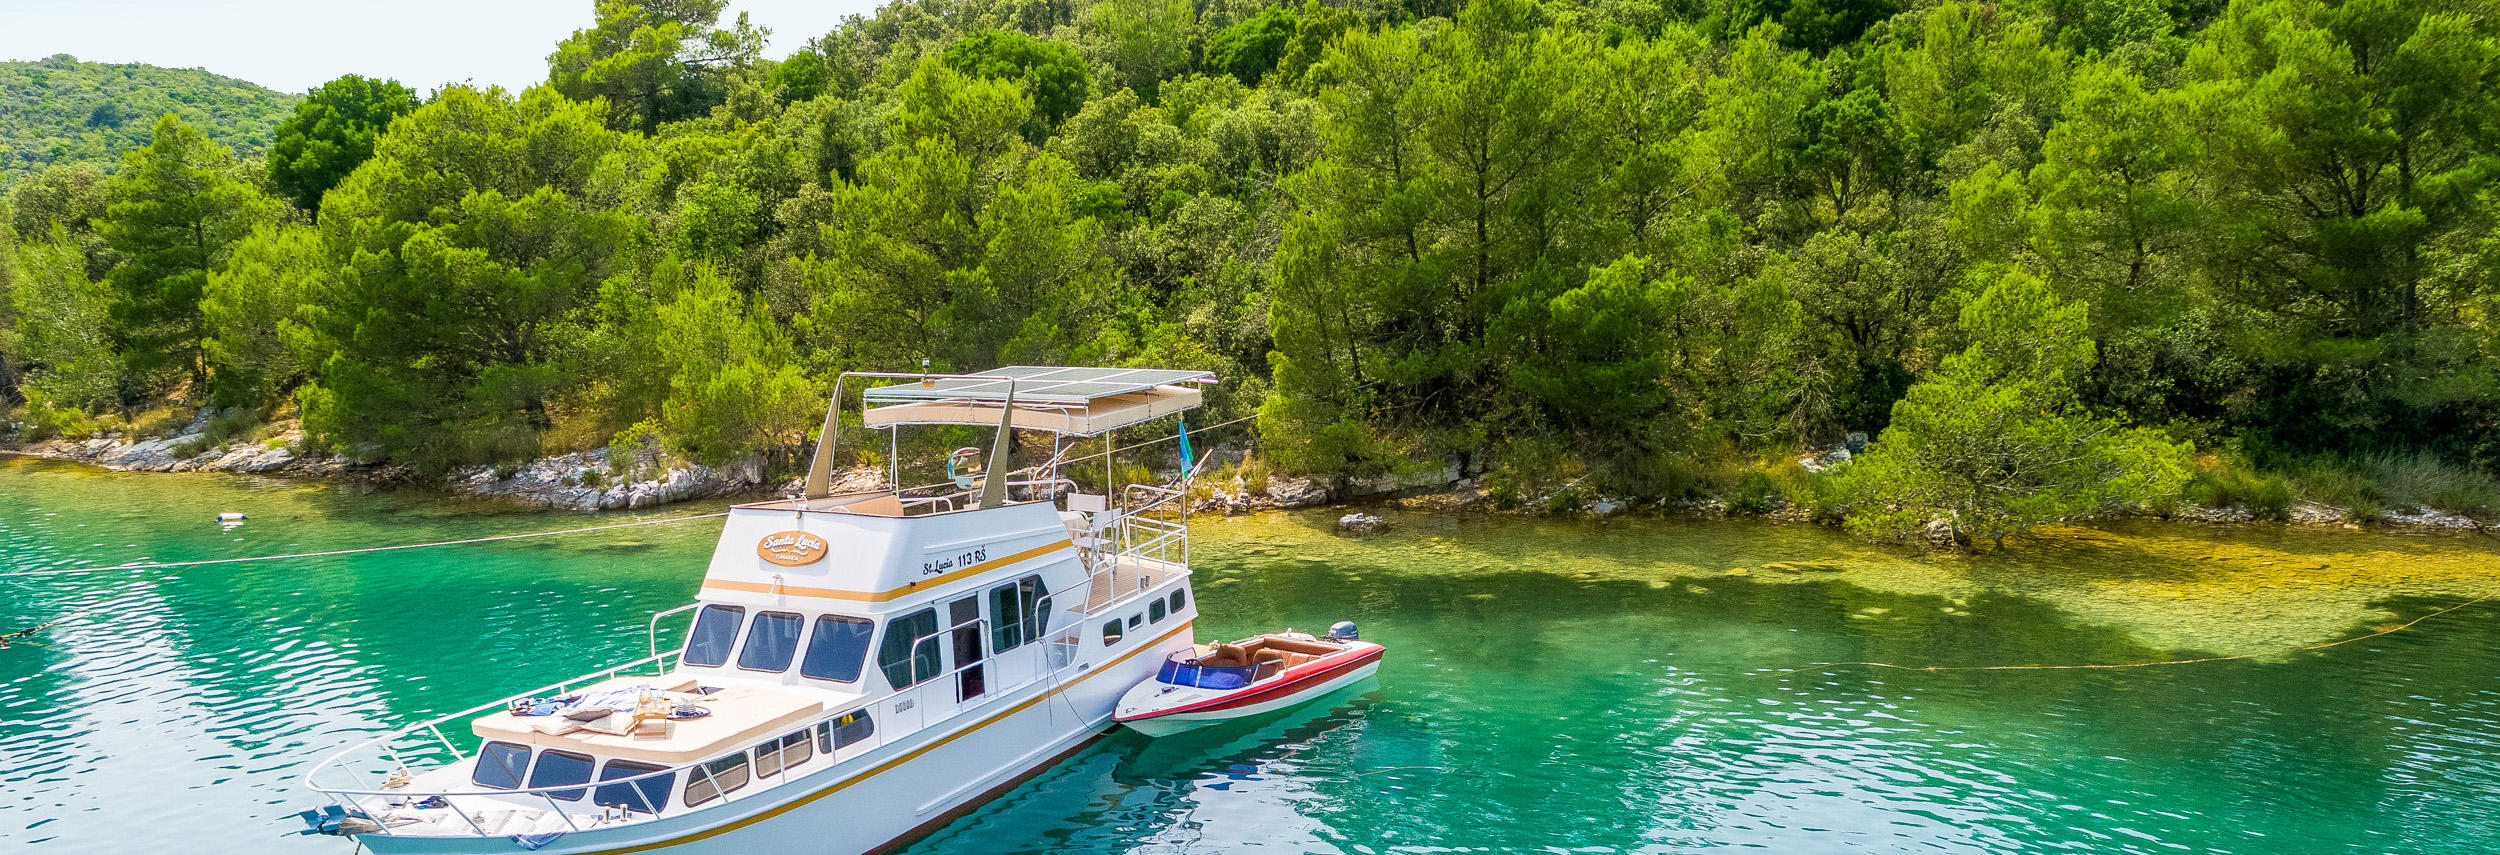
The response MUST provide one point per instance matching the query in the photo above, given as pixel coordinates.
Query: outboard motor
(1344, 631)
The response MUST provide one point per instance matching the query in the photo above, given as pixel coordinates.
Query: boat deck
(741, 713)
(1129, 576)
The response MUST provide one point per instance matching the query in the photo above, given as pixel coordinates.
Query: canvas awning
(1065, 400)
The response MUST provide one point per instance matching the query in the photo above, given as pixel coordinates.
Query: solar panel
(1039, 384)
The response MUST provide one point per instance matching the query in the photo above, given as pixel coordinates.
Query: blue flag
(1186, 469)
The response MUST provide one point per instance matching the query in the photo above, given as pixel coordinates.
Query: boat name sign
(935, 566)
(791, 548)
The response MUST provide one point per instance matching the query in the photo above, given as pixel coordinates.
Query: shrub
(2331, 482)
(2267, 496)
(45, 421)
(229, 423)
(161, 421)
(1254, 473)
(1533, 472)
(2421, 480)
(1755, 494)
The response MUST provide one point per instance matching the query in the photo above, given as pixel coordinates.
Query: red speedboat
(1214, 683)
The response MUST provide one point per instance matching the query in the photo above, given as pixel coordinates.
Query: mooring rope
(2116, 665)
(20, 636)
(158, 565)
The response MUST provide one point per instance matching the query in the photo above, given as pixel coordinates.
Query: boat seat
(1226, 656)
(1270, 664)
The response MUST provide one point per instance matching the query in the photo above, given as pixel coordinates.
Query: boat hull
(1160, 714)
(910, 788)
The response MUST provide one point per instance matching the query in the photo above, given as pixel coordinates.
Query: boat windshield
(1183, 671)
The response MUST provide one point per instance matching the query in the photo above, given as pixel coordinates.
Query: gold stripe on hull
(883, 596)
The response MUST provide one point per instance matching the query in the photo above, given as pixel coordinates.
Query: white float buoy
(230, 517)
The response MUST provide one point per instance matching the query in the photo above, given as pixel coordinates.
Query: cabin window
(844, 731)
(715, 632)
(909, 653)
(1111, 632)
(646, 795)
(771, 641)
(499, 765)
(778, 754)
(1135, 620)
(1179, 598)
(838, 649)
(708, 781)
(1155, 612)
(1017, 613)
(797, 749)
(558, 768)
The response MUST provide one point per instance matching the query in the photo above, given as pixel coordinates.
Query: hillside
(62, 109)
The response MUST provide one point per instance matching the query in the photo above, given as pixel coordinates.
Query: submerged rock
(1940, 533)
(1291, 492)
(1361, 523)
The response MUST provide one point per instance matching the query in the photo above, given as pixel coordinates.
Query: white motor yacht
(860, 668)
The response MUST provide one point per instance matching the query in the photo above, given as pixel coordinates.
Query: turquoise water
(1550, 686)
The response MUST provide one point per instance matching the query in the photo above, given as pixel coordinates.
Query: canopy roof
(1037, 384)
(1067, 400)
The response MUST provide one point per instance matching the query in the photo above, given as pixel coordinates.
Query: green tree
(2121, 223)
(175, 210)
(251, 306)
(1446, 193)
(70, 196)
(654, 61)
(62, 332)
(1315, 27)
(735, 389)
(331, 131)
(1821, 25)
(2339, 148)
(1251, 47)
(471, 249)
(1053, 75)
(802, 76)
(1995, 441)
(959, 243)
(1143, 42)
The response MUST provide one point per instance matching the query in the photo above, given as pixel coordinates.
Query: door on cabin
(965, 617)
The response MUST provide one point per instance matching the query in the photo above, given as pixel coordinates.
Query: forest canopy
(1626, 249)
(62, 110)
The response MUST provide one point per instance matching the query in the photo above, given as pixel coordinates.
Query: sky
(294, 45)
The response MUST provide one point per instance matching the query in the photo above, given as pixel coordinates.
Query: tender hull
(907, 789)
(1152, 710)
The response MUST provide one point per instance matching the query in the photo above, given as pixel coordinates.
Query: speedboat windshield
(1186, 670)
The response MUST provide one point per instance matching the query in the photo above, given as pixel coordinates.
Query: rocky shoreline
(582, 481)
(1468, 494)
(585, 481)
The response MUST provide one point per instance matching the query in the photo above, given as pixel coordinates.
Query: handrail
(432, 724)
(837, 712)
(655, 624)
